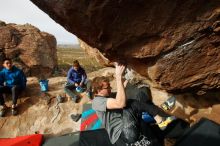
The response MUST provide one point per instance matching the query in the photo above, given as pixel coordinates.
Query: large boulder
(95, 53)
(29, 48)
(175, 44)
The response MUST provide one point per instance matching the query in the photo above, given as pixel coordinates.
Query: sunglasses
(107, 87)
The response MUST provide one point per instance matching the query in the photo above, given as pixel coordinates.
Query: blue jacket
(74, 76)
(13, 77)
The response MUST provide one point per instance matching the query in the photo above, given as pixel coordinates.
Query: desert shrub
(67, 55)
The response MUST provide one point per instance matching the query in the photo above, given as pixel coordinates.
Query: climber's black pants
(132, 115)
(14, 91)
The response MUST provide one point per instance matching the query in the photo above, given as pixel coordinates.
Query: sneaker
(75, 98)
(169, 103)
(76, 117)
(14, 110)
(163, 124)
(60, 99)
(2, 110)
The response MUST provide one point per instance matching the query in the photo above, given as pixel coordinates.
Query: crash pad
(81, 138)
(29, 140)
(89, 119)
(203, 133)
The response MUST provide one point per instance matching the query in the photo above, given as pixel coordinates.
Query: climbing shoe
(75, 98)
(164, 123)
(76, 117)
(169, 103)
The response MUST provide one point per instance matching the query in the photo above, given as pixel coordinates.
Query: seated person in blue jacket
(77, 77)
(13, 81)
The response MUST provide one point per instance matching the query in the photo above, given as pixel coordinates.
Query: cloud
(24, 11)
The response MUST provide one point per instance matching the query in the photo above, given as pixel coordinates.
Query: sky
(24, 11)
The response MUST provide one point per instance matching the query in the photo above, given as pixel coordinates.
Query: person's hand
(80, 84)
(76, 84)
(119, 69)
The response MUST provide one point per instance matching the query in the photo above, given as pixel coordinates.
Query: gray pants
(15, 91)
(70, 88)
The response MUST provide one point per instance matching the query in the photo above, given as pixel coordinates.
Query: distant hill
(75, 46)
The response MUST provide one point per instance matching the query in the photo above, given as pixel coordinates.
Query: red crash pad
(29, 140)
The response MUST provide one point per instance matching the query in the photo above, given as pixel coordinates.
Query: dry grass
(67, 55)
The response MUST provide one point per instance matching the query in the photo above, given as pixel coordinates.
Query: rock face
(94, 52)
(29, 48)
(173, 43)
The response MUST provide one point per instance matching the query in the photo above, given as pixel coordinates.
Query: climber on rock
(121, 115)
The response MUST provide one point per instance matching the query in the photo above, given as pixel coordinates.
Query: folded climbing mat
(94, 138)
(89, 119)
(82, 138)
(29, 140)
(203, 133)
(71, 139)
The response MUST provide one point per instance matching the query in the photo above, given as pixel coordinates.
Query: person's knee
(66, 89)
(146, 94)
(88, 83)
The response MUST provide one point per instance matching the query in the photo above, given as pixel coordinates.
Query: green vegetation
(67, 55)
